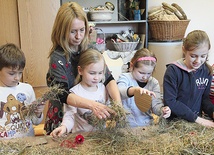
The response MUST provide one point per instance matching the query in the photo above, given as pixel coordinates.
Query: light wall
(200, 12)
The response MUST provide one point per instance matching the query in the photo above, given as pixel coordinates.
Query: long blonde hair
(86, 58)
(62, 27)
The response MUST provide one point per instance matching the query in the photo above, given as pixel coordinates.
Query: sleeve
(212, 87)
(68, 118)
(123, 86)
(108, 76)
(57, 75)
(35, 120)
(157, 103)
(207, 106)
(170, 95)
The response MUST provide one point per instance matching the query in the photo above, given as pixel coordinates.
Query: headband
(147, 58)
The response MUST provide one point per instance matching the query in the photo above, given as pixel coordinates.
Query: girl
(69, 37)
(139, 79)
(91, 69)
(187, 81)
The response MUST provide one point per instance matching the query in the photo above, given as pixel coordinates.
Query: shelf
(119, 22)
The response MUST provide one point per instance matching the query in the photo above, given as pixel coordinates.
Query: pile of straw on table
(177, 137)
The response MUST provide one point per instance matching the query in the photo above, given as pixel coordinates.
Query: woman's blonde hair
(88, 57)
(62, 27)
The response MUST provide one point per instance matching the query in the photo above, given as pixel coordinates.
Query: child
(91, 69)
(140, 78)
(14, 95)
(187, 81)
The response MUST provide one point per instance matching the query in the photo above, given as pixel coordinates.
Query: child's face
(77, 33)
(142, 73)
(92, 74)
(194, 59)
(10, 77)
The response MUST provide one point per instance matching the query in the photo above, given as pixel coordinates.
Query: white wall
(200, 12)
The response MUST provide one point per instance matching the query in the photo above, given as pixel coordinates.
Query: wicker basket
(100, 47)
(168, 30)
(125, 46)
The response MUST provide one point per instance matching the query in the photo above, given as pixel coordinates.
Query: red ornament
(68, 144)
(79, 139)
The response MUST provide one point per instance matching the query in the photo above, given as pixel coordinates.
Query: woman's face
(77, 33)
(194, 59)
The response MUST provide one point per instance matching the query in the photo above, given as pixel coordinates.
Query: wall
(200, 13)
(9, 29)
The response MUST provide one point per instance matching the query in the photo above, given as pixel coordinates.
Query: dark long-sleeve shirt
(187, 92)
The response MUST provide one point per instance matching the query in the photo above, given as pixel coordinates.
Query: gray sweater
(136, 117)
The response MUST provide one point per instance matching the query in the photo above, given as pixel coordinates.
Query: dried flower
(79, 139)
(27, 111)
(67, 144)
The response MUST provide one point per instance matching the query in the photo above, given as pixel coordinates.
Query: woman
(70, 36)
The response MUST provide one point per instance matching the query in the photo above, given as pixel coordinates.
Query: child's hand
(39, 108)
(145, 91)
(166, 111)
(59, 131)
(204, 122)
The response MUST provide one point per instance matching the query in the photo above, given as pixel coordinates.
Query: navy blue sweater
(187, 92)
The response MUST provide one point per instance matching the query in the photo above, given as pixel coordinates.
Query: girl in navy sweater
(187, 81)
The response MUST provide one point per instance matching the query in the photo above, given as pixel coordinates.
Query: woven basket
(125, 46)
(167, 30)
(100, 47)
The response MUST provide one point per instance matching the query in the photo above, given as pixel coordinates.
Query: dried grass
(117, 120)
(169, 138)
(27, 111)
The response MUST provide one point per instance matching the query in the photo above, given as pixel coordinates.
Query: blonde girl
(91, 69)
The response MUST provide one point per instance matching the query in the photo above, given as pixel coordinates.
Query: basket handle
(97, 28)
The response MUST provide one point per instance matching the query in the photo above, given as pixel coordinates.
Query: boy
(14, 95)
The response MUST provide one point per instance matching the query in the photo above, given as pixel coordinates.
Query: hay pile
(27, 111)
(177, 137)
(116, 120)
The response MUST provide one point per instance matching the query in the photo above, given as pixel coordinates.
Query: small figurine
(137, 13)
(129, 7)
